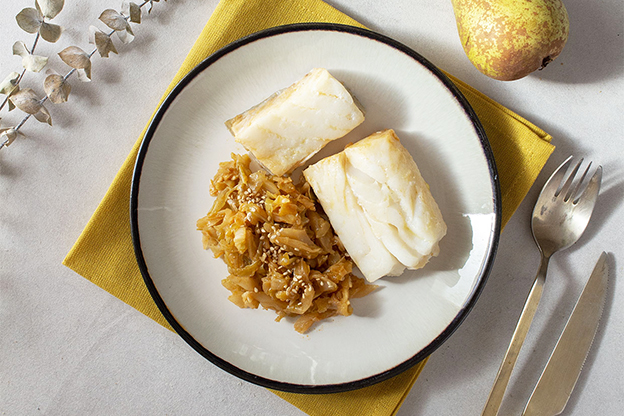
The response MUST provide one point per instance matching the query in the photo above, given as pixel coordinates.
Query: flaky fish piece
(380, 205)
(288, 128)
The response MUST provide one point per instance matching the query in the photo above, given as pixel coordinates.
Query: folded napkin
(104, 253)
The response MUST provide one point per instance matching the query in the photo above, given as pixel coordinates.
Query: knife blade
(564, 366)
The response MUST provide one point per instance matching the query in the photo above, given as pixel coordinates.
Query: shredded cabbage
(279, 247)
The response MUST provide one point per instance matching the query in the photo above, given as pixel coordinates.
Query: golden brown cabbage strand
(280, 249)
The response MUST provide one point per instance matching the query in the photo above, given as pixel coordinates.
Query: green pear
(509, 39)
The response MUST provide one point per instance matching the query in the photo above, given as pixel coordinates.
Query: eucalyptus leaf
(7, 136)
(104, 44)
(27, 101)
(75, 57)
(50, 8)
(102, 41)
(34, 63)
(135, 13)
(78, 59)
(133, 10)
(20, 49)
(57, 88)
(29, 20)
(125, 36)
(114, 20)
(84, 75)
(9, 84)
(50, 32)
(43, 115)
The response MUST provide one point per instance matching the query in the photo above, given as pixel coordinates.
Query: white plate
(391, 329)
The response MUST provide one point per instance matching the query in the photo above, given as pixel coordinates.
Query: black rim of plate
(325, 388)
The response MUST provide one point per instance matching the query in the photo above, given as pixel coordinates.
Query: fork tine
(552, 185)
(577, 188)
(568, 182)
(587, 198)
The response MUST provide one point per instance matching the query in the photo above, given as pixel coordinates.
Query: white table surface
(69, 348)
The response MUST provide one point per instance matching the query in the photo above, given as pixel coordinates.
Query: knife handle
(522, 328)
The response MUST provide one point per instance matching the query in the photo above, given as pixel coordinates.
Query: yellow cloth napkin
(104, 253)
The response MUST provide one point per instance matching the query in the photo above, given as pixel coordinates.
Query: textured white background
(68, 348)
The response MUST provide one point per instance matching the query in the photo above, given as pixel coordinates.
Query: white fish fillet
(379, 205)
(288, 128)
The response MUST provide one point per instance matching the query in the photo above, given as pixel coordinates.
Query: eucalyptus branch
(19, 79)
(57, 87)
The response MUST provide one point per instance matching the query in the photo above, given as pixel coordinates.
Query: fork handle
(522, 327)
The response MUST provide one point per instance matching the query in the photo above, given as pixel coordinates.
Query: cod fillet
(379, 205)
(289, 127)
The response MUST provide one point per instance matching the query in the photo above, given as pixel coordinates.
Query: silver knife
(557, 381)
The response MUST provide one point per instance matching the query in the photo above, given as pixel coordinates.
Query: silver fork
(559, 219)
